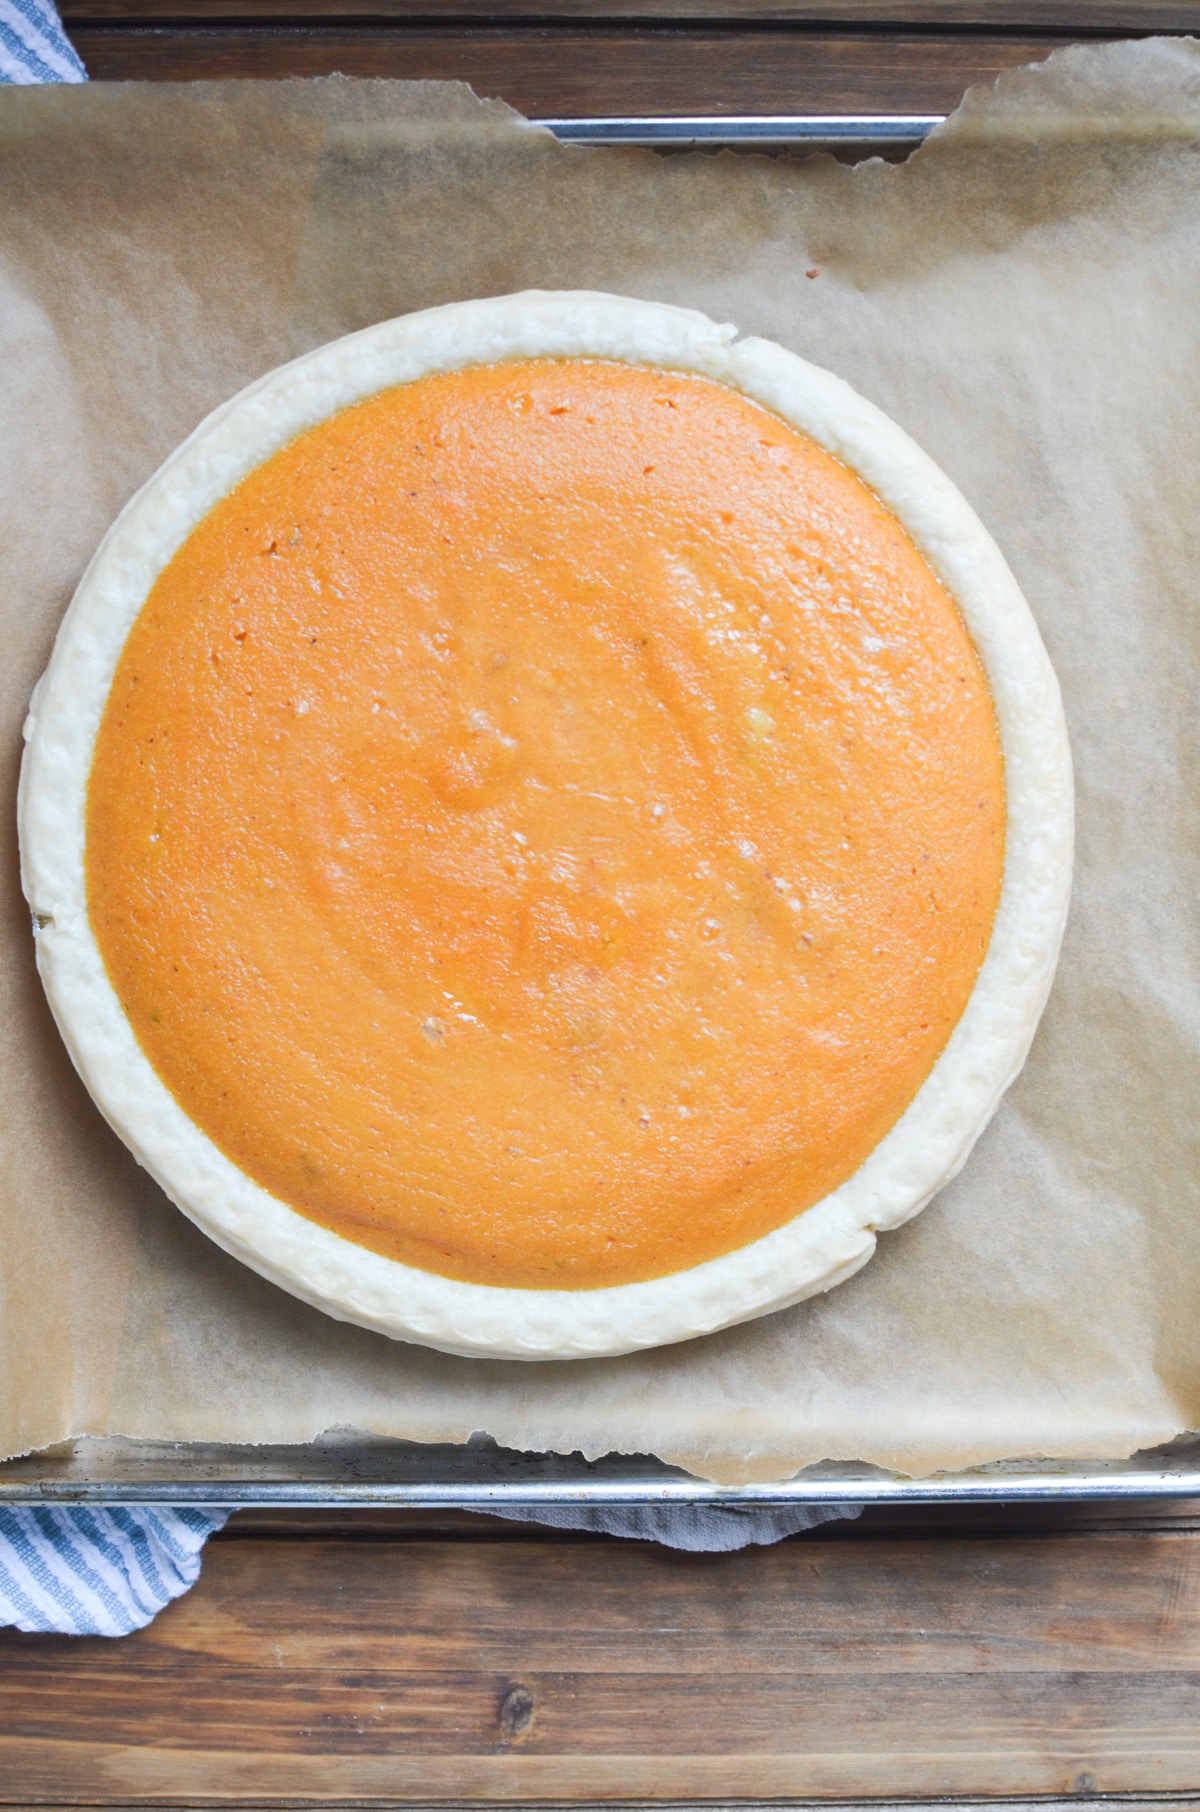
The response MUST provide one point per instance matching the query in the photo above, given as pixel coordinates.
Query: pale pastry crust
(822, 1246)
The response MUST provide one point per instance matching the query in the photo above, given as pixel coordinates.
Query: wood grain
(549, 71)
(392, 1671)
(1070, 17)
(1078, 1802)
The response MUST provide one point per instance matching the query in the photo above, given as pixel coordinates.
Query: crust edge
(928, 1145)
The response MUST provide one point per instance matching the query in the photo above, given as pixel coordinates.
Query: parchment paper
(1024, 297)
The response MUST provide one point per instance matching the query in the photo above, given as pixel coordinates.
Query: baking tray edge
(345, 1469)
(348, 1470)
(844, 132)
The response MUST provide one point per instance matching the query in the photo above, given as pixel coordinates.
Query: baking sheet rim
(465, 1478)
(1165, 1473)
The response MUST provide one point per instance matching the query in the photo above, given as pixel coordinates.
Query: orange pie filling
(546, 823)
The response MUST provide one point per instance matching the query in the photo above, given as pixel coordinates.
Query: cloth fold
(699, 1528)
(34, 48)
(83, 1571)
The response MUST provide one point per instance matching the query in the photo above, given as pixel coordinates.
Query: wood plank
(545, 71)
(394, 1671)
(106, 1774)
(96, 1774)
(1084, 1605)
(1071, 17)
(644, 1718)
(1161, 1802)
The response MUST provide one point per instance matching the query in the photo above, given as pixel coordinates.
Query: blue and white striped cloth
(90, 1572)
(33, 45)
(697, 1528)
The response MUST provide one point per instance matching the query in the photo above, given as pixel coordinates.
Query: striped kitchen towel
(698, 1528)
(33, 45)
(90, 1572)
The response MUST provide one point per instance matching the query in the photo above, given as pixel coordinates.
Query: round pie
(548, 826)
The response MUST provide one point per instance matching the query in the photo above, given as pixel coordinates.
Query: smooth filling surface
(546, 823)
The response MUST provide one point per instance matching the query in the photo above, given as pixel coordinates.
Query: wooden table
(582, 57)
(378, 1659)
(384, 1659)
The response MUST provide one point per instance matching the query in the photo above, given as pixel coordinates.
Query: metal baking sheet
(343, 1470)
(864, 132)
(348, 1469)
